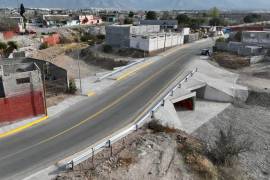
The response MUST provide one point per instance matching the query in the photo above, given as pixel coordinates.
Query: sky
(143, 4)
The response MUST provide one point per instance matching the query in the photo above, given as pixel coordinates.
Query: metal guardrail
(108, 143)
(119, 70)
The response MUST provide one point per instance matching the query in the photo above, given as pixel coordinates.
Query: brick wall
(21, 106)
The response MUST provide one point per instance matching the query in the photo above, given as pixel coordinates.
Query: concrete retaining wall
(256, 59)
(239, 48)
(213, 94)
(191, 38)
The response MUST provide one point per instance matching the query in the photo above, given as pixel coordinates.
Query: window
(23, 80)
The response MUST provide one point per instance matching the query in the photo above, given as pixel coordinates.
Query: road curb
(23, 127)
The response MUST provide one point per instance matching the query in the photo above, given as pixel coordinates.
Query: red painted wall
(8, 34)
(52, 40)
(21, 106)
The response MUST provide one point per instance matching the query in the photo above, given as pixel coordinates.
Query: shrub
(72, 87)
(221, 39)
(227, 147)
(13, 45)
(43, 46)
(87, 37)
(107, 48)
(192, 151)
(238, 36)
(3, 45)
(157, 127)
(101, 36)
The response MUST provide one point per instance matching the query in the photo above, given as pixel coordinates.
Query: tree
(128, 21)
(196, 23)
(151, 15)
(214, 12)
(12, 45)
(3, 47)
(166, 15)
(43, 46)
(107, 48)
(131, 14)
(252, 18)
(217, 22)
(72, 86)
(183, 19)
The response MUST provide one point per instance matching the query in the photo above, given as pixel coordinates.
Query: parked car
(205, 52)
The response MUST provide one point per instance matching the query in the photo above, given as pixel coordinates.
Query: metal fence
(108, 143)
(120, 69)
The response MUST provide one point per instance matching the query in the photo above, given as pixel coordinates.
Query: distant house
(154, 42)
(164, 24)
(89, 20)
(59, 20)
(147, 38)
(67, 20)
(9, 26)
(111, 18)
(258, 38)
(119, 35)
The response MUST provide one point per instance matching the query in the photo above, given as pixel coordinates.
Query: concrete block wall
(191, 38)
(1, 36)
(22, 95)
(118, 36)
(52, 72)
(239, 48)
(13, 88)
(260, 38)
(155, 42)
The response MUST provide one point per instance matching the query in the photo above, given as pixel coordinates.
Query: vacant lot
(231, 61)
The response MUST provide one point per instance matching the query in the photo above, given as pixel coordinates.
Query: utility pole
(79, 68)
(165, 41)
(44, 88)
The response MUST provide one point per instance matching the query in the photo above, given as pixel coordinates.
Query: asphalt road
(91, 120)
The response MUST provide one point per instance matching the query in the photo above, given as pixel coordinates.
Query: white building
(258, 38)
(155, 41)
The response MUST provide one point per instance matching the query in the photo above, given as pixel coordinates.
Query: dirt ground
(251, 117)
(54, 100)
(141, 155)
(66, 56)
(155, 155)
(229, 60)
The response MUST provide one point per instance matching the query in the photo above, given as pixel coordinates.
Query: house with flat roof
(164, 24)
(21, 91)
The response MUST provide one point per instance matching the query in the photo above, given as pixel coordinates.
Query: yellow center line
(125, 75)
(92, 116)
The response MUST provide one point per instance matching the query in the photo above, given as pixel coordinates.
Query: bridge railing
(107, 143)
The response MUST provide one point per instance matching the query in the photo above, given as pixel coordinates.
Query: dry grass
(231, 61)
(193, 153)
(156, 127)
(125, 161)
